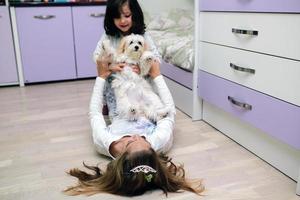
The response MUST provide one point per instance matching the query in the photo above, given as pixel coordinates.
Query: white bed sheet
(173, 33)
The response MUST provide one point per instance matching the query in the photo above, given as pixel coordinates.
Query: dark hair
(118, 179)
(113, 9)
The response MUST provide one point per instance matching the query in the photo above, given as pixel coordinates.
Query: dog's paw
(132, 113)
(145, 63)
(106, 45)
(151, 114)
(162, 114)
(107, 51)
(147, 57)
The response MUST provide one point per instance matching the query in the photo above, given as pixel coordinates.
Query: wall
(157, 6)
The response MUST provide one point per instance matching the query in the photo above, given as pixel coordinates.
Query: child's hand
(106, 58)
(102, 69)
(117, 67)
(155, 70)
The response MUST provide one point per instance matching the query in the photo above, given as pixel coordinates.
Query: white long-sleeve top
(160, 138)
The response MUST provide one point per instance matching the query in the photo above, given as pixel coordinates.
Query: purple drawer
(287, 6)
(177, 74)
(275, 117)
(87, 24)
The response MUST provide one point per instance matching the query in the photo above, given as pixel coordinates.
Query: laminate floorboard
(44, 131)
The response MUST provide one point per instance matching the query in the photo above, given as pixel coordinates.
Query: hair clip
(143, 168)
(148, 177)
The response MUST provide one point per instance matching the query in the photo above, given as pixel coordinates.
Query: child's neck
(125, 34)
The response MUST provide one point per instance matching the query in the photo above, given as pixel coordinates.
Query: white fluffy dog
(134, 95)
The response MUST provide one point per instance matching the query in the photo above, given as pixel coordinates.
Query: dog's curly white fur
(134, 95)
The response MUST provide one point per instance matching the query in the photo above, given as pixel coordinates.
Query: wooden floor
(44, 131)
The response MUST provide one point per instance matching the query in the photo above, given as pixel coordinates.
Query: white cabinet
(249, 77)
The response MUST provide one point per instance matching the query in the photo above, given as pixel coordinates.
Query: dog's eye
(131, 42)
(140, 43)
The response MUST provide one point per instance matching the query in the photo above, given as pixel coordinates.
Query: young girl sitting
(122, 18)
(137, 147)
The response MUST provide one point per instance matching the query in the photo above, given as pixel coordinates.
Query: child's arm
(162, 138)
(98, 124)
(151, 46)
(100, 134)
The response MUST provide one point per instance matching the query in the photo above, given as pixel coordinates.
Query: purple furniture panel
(290, 6)
(46, 43)
(8, 67)
(88, 28)
(275, 117)
(178, 75)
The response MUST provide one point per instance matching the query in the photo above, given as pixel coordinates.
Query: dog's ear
(122, 46)
(146, 47)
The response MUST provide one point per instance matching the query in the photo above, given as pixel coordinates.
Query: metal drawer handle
(240, 104)
(44, 16)
(246, 32)
(242, 69)
(97, 15)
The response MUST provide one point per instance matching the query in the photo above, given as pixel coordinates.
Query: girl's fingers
(115, 68)
(121, 65)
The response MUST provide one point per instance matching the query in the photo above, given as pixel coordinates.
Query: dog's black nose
(136, 48)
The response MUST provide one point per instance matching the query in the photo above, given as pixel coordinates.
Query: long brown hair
(118, 179)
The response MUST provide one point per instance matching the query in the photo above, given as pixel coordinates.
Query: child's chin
(124, 29)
